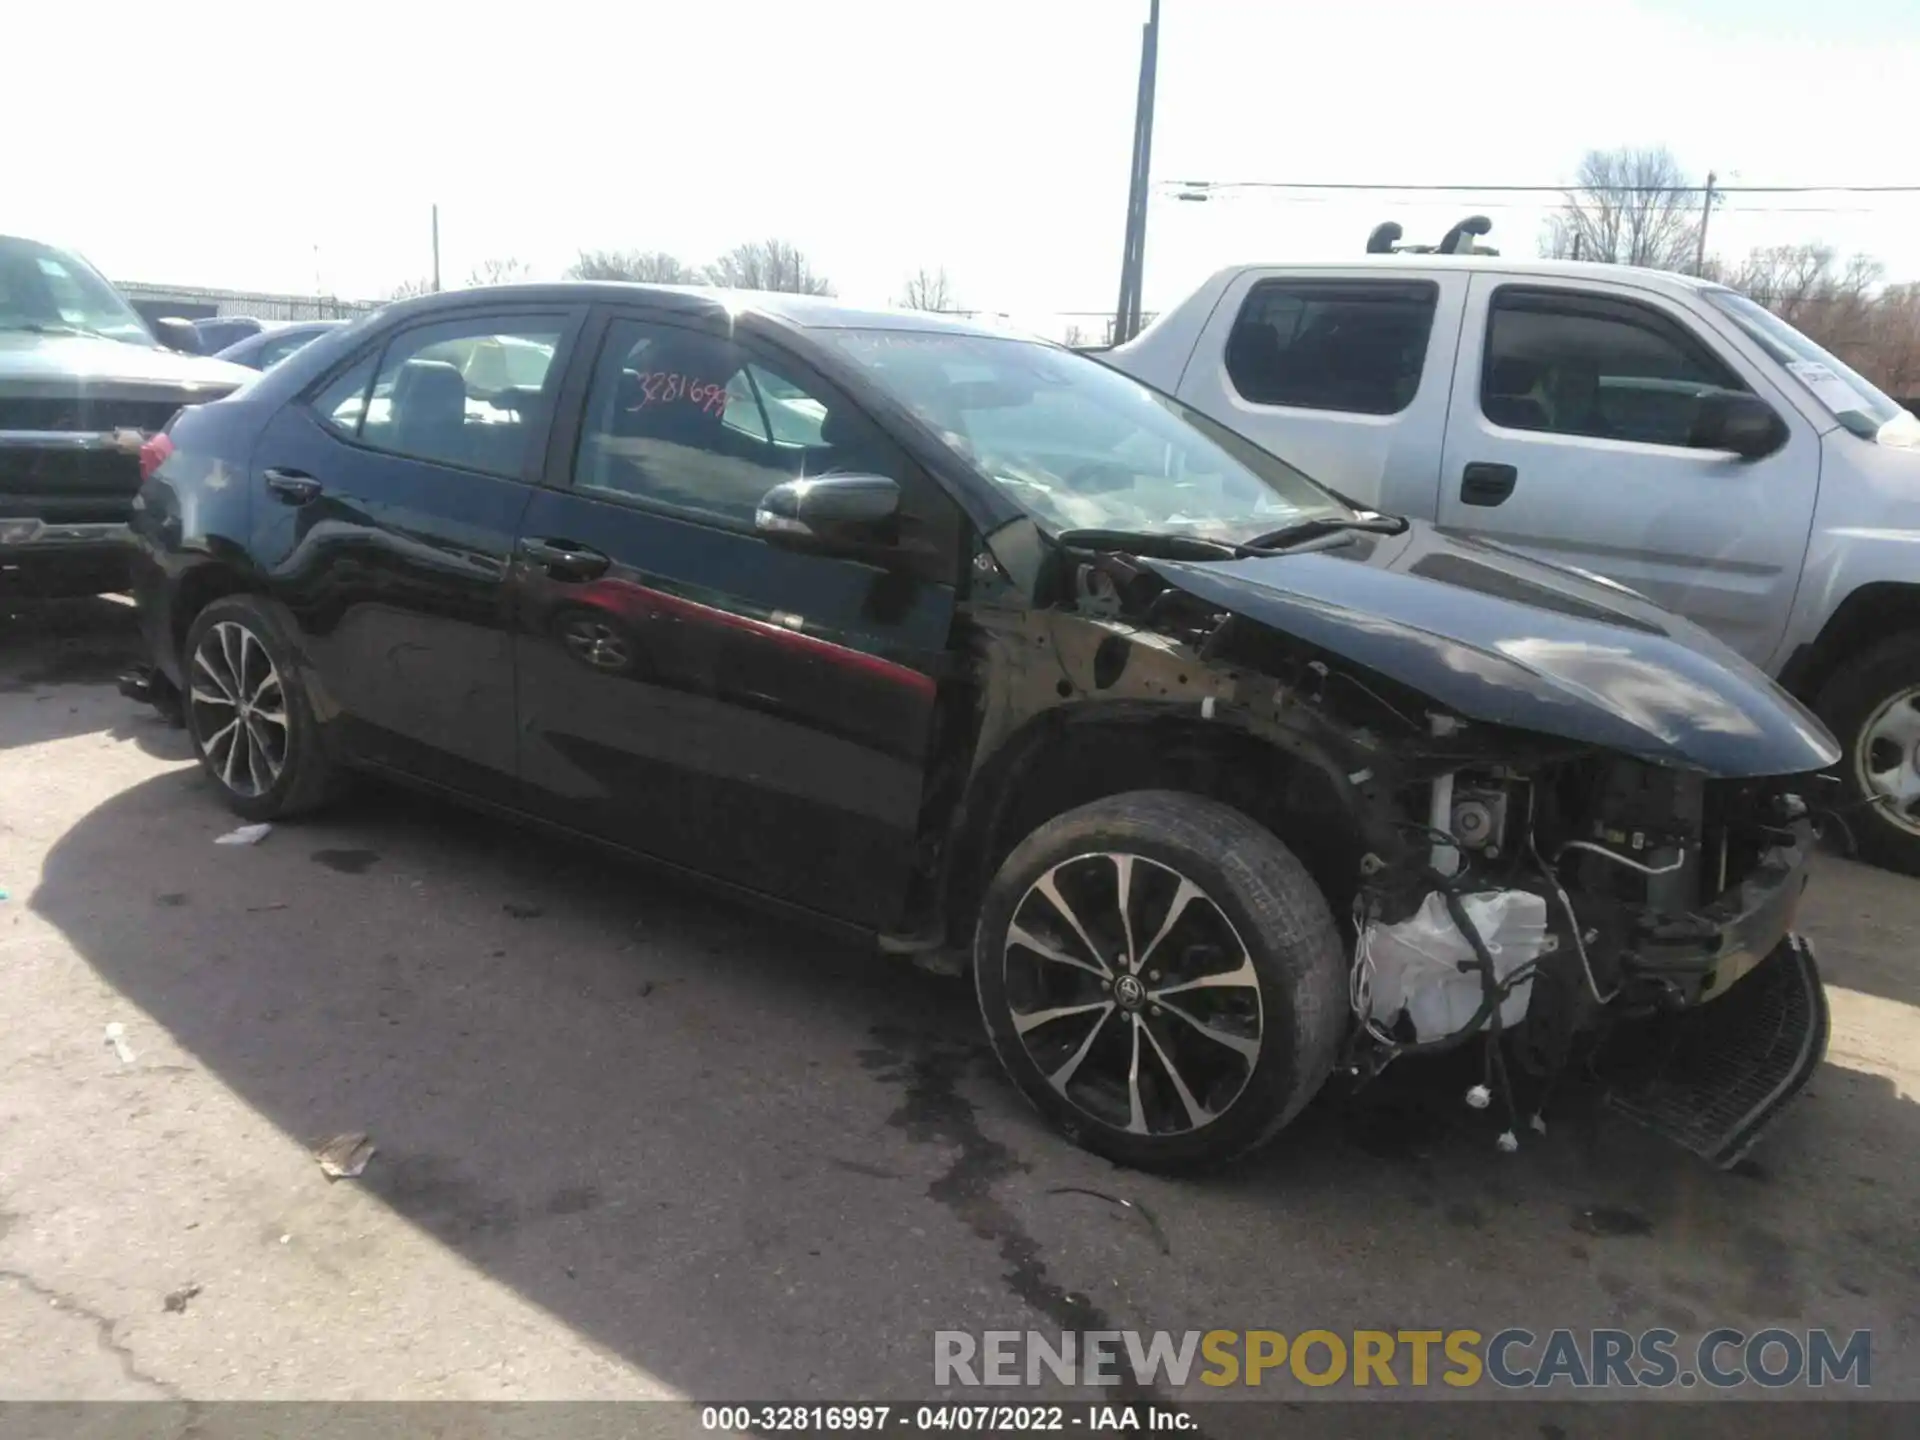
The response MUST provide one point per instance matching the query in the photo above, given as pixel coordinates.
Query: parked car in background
(274, 342)
(1660, 430)
(84, 384)
(955, 640)
(217, 332)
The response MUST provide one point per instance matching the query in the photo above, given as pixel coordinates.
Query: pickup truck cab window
(1357, 346)
(1573, 364)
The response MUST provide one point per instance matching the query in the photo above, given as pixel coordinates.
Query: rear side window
(1583, 364)
(1357, 346)
(472, 393)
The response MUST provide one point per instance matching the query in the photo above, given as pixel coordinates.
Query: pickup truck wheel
(1872, 704)
(248, 714)
(1161, 978)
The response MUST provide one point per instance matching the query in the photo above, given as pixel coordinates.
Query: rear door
(385, 507)
(1342, 373)
(688, 690)
(1573, 406)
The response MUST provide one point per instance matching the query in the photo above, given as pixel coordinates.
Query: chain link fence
(190, 302)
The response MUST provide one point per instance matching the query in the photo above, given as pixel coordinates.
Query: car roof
(1497, 264)
(810, 312)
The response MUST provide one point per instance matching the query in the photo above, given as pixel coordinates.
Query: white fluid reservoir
(1423, 966)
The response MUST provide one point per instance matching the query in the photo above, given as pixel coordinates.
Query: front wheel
(1872, 705)
(1161, 978)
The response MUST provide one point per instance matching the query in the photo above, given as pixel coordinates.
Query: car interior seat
(429, 408)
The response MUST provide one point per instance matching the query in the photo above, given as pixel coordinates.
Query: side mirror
(177, 334)
(1744, 424)
(832, 512)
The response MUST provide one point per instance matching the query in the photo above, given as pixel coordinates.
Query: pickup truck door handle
(291, 487)
(1482, 483)
(565, 560)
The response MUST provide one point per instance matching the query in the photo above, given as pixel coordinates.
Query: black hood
(1497, 637)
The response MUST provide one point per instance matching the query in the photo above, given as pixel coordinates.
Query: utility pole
(1706, 211)
(436, 249)
(1126, 318)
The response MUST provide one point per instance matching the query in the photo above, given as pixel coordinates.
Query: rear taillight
(154, 451)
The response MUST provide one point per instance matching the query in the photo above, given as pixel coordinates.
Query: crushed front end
(1630, 920)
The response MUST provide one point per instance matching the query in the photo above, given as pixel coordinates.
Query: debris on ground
(523, 912)
(176, 1301)
(117, 1039)
(262, 909)
(1153, 1225)
(344, 1156)
(245, 835)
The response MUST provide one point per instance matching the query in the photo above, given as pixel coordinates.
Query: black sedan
(960, 641)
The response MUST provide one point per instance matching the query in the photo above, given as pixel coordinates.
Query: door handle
(565, 560)
(1482, 483)
(291, 487)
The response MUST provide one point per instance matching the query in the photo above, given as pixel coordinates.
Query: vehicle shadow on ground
(59, 660)
(758, 1164)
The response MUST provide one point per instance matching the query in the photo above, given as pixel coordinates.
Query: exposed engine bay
(1561, 903)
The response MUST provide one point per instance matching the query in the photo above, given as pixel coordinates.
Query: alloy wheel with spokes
(1133, 993)
(239, 709)
(1161, 978)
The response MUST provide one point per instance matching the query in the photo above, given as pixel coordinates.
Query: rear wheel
(248, 714)
(1161, 978)
(1872, 704)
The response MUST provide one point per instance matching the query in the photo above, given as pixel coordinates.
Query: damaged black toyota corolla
(970, 644)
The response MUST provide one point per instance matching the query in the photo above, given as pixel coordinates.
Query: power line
(1547, 189)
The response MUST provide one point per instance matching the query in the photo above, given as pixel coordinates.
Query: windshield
(46, 289)
(1081, 446)
(1854, 400)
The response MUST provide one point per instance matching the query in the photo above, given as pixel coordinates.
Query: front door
(686, 689)
(1568, 438)
(385, 508)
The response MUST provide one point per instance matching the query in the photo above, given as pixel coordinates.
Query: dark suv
(83, 385)
(963, 642)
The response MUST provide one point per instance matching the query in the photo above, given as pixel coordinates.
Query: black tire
(306, 776)
(1272, 908)
(1856, 693)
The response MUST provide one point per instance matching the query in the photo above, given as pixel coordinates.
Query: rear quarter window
(1349, 345)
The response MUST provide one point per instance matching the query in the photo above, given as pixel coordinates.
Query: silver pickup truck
(1664, 432)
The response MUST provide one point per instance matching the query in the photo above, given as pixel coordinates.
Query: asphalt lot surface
(632, 1142)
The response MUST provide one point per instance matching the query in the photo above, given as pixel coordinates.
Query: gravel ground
(632, 1142)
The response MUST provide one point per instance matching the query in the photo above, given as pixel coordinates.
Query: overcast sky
(291, 145)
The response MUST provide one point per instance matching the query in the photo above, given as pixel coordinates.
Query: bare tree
(928, 290)
(768, 265)
(506, 271)
(1628, 207)
(407, 289)
(655, 267)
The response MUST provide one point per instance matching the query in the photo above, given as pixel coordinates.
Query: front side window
(1081, 446)
(1573, 364)
(47, 290)
(697, 422)
(449, 394)
(1357, 346)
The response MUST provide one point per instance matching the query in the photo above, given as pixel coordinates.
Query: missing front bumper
(1713, 1078)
